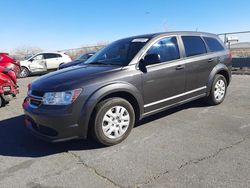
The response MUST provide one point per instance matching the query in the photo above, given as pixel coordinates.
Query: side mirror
(89, 56)
(31, 60)
(151, 59)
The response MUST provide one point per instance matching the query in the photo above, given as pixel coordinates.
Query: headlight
(61, 98)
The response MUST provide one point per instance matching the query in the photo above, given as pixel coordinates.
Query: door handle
(180, 67)
(210, 60)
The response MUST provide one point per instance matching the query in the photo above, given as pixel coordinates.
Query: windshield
(27, 57)
(118, 53)
(82, 57)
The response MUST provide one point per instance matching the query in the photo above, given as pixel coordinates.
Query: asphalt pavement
(193, 145)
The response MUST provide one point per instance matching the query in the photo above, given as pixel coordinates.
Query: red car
(8, 85)
(8, 62)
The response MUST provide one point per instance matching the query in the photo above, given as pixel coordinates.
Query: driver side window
(38, 57)
(166, 48)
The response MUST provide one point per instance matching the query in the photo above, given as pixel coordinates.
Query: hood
(70, 78)
(72, 63)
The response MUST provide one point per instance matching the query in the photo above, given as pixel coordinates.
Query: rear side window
(194, 45)
(213, 44)
(167, 48)
(50, 56)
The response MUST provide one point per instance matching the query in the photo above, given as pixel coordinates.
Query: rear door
(198, 64)
(53, 60)
(164, 81)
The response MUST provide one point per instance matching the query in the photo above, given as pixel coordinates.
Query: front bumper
(51, 124)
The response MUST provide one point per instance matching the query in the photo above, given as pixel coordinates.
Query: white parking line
(245, 126)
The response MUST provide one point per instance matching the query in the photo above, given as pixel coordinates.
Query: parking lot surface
(193, 145)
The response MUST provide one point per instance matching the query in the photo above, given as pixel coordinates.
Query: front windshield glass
(82, 57)
(118, 53)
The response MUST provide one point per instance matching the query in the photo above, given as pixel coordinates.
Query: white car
(42, 62)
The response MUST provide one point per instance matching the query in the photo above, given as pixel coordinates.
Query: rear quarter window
(213, 44)
(194, 45)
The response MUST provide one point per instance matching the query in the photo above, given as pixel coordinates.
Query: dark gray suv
(126, 81)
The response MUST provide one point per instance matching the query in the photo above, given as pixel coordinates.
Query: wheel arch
(122, 90)
(24, 66)
(219, 69)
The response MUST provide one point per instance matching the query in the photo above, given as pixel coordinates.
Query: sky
(65, 24)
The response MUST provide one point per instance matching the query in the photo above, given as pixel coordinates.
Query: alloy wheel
(115, 122)
(219, 90)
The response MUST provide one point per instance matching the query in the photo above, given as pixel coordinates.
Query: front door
(163, 81)
(38, 64)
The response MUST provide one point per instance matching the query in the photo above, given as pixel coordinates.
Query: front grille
(35, 102)
(36, 97)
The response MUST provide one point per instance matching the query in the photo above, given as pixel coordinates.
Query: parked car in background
(128, 80)
(28, 56)
(8, 85)
(9, 62)
(42, 62)
(81, 59)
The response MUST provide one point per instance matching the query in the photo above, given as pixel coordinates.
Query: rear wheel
(218, 90)
(113, 121)
(24, 72)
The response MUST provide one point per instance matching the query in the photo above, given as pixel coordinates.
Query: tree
(24, 51)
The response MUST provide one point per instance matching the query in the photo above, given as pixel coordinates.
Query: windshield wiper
(97, 63)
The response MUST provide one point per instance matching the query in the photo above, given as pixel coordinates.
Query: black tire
(1, 102)
(212, 99)
(24, 72)
(100, 112)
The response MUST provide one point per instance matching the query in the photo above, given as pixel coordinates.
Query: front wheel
(24, 72)
(113, 121)
(218, 90)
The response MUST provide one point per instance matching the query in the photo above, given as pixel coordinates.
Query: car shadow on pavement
(16, 140)
(194, 104)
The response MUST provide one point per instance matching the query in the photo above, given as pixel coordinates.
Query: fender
(216, 69)
(100, 93)
(25, 64)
